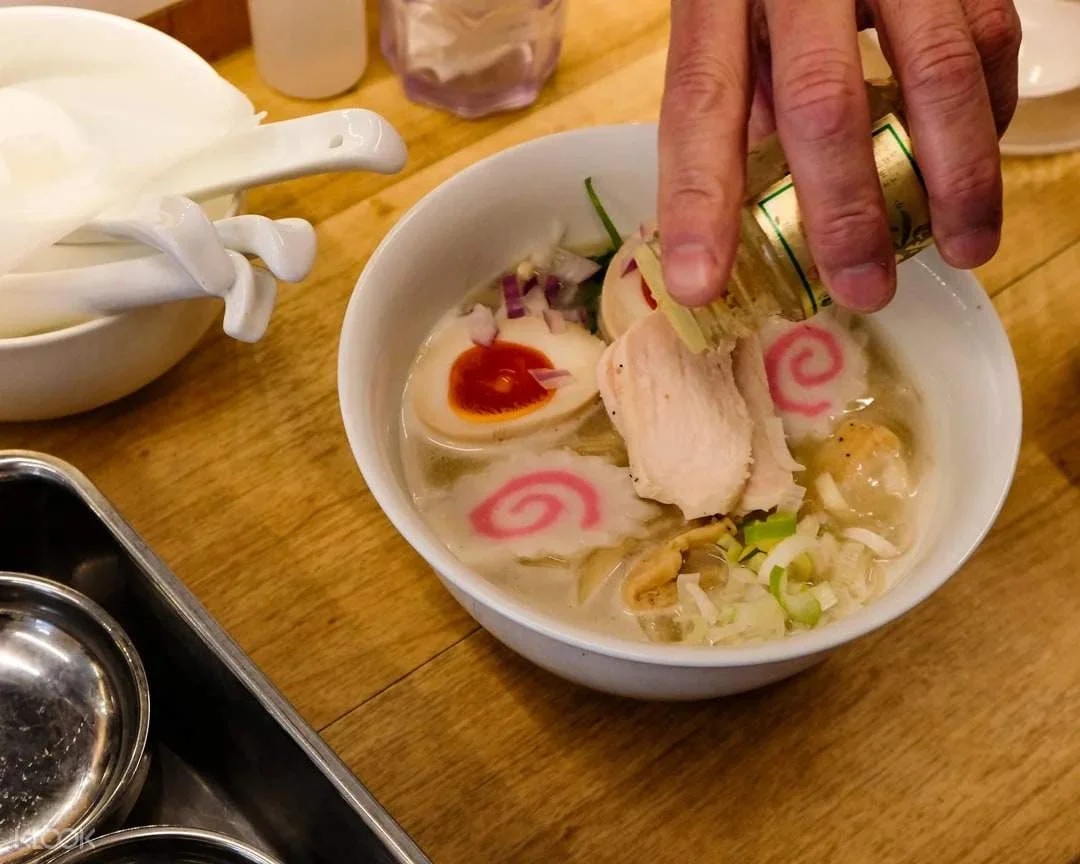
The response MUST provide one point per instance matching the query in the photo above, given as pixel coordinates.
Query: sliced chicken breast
(687, 429)
(771, 479)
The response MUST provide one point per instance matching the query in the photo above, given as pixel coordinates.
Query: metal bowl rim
(131, 761)
(219, 842)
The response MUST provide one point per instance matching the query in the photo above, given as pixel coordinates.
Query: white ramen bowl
(944, 329)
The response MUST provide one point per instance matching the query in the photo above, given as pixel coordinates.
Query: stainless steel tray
(228, 753)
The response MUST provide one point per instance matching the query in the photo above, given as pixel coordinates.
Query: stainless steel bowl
(161, 845)
(74, 718)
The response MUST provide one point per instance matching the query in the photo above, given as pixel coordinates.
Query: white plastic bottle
(309, 49)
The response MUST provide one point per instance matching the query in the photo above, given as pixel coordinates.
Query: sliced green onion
(800, 605)
(801, 568)
(777, 581)
(825, 595)
(754, 560)
(609, 226)
(733, 549)
(803, 607)
(770, 531)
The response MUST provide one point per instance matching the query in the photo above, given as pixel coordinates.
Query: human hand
(796, 63)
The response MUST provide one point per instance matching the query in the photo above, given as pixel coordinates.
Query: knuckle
(848, 226)
(974, 181)
(693, 190)
(944, 68)
(700, 84)
(818, 89)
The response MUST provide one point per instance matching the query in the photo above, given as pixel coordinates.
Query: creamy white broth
(553, 584)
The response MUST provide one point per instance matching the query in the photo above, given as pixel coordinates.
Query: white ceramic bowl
(474, 225)
(82, 367)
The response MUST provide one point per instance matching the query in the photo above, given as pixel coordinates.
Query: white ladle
(33, 301)
(353, 139)
(180, 228)
(349, 140)
(286, 246)
(1050, 51)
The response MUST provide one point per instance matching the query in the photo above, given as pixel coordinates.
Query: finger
(952, 124)
(703, 145)
(995, 29)
(823, 120)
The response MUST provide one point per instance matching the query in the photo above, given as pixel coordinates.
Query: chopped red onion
(482, 327)
(552, 379)
(630, 267)
(512, 296)
(569, 267)
(555, 321)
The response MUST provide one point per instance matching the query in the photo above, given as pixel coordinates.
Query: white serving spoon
(1050, 51)
(180, 228)
(286, 246)
(30, 302)
(353, 139)
(349, 140)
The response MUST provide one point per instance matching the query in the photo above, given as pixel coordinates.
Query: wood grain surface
(948, 736)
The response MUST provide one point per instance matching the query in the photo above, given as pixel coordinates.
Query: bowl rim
(122, 785)
(222, 844)
(396, 503)
(183, 54)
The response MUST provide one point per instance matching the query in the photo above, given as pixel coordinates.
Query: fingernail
(690, 272)
(971, 249)
(865, 288)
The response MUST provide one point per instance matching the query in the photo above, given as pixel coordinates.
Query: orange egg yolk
(493, 384)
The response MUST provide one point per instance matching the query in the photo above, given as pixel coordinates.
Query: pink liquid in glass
(473, 57)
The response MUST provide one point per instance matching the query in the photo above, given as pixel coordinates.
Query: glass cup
(473, 57)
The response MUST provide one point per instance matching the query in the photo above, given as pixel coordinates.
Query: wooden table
(951, 735)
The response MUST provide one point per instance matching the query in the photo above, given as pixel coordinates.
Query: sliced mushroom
(651, 582)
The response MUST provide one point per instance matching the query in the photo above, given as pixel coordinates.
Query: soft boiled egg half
(527, 378)
(625, 298)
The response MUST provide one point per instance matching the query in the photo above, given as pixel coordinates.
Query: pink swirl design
(797, 353)
(485, 517)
